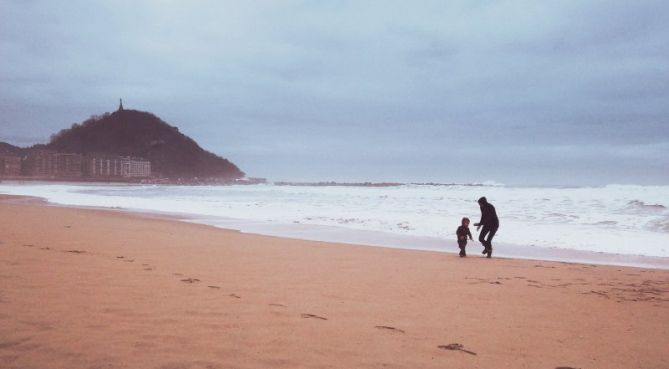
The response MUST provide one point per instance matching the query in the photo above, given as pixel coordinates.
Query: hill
(6, 148)
(141, 134)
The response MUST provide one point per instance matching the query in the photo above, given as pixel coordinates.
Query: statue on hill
(120, 104)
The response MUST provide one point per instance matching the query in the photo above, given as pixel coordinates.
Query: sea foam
(618, 219)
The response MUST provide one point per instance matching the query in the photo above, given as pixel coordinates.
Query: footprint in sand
(385, 327)
(277, 305)
(600, 293)
(235, 296)
(190, 280)
(45, 248)
(313, 316)
(28, 245)
(533, 283)
(75, 251)
(7, 344)
(215, 287)
(456, 347)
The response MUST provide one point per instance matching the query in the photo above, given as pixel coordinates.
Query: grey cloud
(336, 88)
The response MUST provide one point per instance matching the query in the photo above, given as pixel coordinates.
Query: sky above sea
(517, 92)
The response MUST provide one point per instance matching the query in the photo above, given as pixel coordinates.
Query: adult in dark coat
(490, 224)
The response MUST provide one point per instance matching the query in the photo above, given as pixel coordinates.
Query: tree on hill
(6, 148)
(141, 134)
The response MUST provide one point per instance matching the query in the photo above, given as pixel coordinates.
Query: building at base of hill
(49, 164)
(105, 166)
(10, 165)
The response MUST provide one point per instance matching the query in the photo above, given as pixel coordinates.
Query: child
(463, 232)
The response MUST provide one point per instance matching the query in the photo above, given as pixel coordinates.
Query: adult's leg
(482, 239)
(491, 234)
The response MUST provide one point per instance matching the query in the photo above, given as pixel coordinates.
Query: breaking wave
(613, 219)
(638, 204)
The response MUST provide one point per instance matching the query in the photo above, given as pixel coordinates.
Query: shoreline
(548, 223)
(365, 238)
(100, 288)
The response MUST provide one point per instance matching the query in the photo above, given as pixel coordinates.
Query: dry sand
(101, 289)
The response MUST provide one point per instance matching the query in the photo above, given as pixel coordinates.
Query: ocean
(619, 220)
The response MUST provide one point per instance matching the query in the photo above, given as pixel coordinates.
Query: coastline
(367, 238)
(92, 288)
(590, 225)
(363, 238)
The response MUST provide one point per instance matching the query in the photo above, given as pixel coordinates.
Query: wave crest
(638, 204)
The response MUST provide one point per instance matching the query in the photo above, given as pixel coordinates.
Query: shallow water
(615, 219)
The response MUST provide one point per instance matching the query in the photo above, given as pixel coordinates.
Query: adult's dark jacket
(489, 216)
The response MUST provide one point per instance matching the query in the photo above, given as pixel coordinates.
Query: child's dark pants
(462, 245)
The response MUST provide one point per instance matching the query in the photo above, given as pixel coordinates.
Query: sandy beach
(83, 288)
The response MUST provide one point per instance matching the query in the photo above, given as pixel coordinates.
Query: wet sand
(84, 288)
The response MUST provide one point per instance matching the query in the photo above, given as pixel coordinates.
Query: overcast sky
(518, 92)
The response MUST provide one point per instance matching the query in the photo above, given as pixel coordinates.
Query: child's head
(465, 221)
